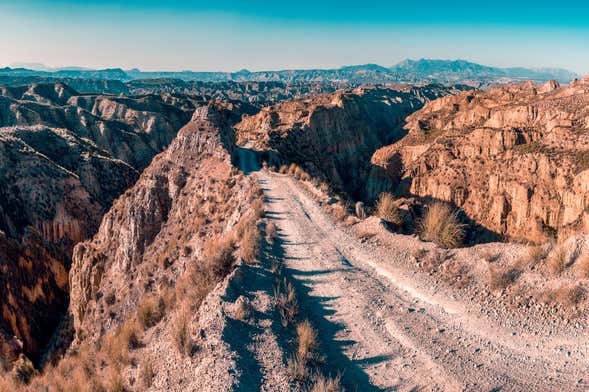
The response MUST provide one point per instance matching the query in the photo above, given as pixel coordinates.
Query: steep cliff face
(334, 135)
(61, 167)
(54, 188)
(515, 158)
(189, 194)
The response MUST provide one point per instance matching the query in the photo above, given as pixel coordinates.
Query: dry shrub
(249, 245)
(194, 285)
(258, 209)
(360, 210)
(387, 210)
(150, 311)
(218, 256)
(116, 350)
(181, 331)
(147, 372)
(129, 334)
(326, 384)
(6, 382)
(271, 232)
(338, 212)
(23, 371)
(501, 278)
(297, 369)
(307, 341)
(292, 169)
(114, 380)
(535, 254)
(582, 266)
(285, 300)
(441, 225)
(569, 296)
(243, 309)
(557, 260)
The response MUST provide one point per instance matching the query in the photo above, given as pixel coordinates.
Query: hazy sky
(229, 35)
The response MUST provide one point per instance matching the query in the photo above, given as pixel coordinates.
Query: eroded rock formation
(64, 158)
(334, 135)
(515, 159)
(190, 193)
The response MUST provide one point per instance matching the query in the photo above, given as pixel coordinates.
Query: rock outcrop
(515, 159)
(153, 233)
(334, 135)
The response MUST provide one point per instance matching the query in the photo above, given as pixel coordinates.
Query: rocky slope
(64, 158)
(515, 159)
(131, 129)
(334, 135)
(155, 233)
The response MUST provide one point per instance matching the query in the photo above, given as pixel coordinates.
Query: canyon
(190, 235)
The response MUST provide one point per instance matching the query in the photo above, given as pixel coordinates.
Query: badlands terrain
(294, 235)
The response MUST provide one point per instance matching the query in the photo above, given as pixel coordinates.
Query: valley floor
(384, 328)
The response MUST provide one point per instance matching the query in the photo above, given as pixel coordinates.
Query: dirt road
(383, 332)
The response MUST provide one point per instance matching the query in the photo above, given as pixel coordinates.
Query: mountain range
(413, 71)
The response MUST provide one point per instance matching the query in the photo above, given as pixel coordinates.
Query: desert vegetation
(387, 210)
(440, 224)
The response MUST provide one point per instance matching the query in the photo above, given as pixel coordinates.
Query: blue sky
(230, 35)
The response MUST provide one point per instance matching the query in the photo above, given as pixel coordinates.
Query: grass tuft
(441, 225)
(387, 210)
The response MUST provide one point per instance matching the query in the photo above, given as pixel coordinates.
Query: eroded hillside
(64, 158)
(333, 135)
(515, 159)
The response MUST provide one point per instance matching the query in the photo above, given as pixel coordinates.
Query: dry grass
(569, 296)
(258, 208)
(181, 332)
(297, 369)
(441, 225)
(326, 384)
(536, 253)
(243, 309)
(129, 334)
(286, 302)
(271, 232)
(218, 256)
(116, 348)
(582, 266)
(500, 278)
(387, 210)
(360, 210)
(338, 212)
(307, 341)
(557, 260)
(249, 244)
(150, 311)
(23, 372)
(115, 380)
(146, 372)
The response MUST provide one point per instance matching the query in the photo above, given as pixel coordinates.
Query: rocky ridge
(515, 159)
